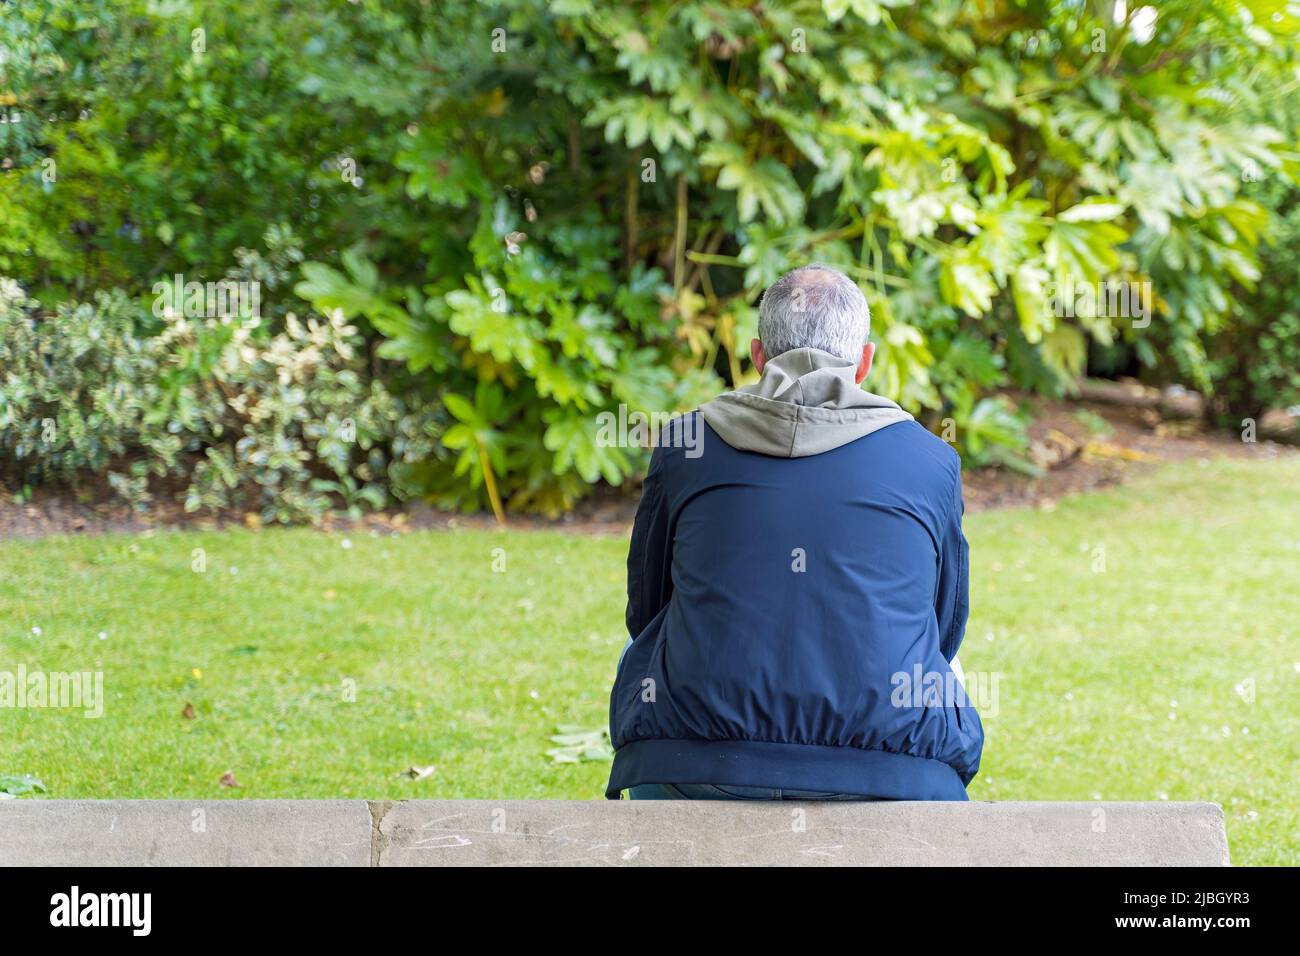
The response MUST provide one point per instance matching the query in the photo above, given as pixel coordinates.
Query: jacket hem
(878, 774)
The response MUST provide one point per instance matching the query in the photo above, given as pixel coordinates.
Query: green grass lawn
(1171, 674)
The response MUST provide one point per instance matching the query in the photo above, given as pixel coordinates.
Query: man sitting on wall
(783, 575)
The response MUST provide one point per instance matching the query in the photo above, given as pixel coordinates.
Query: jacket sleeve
(952, 598)
(649, 558)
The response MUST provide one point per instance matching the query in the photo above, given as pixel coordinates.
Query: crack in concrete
(378, 841)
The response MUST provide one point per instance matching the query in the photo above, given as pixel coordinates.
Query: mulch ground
(1080, 446)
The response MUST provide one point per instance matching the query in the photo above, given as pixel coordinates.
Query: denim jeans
(707, 791)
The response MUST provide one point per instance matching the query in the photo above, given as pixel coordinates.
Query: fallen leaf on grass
(1102, 449)
(228, 779)
(13, 786)
(188, 713)
(579, 745)
(418, 773)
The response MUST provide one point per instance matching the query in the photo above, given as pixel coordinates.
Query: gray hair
(814, 307)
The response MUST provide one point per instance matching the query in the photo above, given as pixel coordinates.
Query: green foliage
(287, 424)
(158, 137)
(546, 210)
(960, 162)
(1256, 358)
(994, 434)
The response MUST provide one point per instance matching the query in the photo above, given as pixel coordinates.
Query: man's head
(814, 307)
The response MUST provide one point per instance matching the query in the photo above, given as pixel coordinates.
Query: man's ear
(868, 352)
(759, 356)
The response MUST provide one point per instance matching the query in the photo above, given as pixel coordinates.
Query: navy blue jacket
(782, 610)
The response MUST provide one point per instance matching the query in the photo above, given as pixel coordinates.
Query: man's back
(788, 613)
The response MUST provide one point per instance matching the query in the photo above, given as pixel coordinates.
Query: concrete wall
(605, 833)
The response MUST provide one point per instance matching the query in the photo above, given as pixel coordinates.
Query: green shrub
(158, 137)
(610, 187)
(1257, 357)
(214, 410)
(545, 210)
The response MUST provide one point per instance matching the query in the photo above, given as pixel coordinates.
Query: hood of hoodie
(805, 403)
